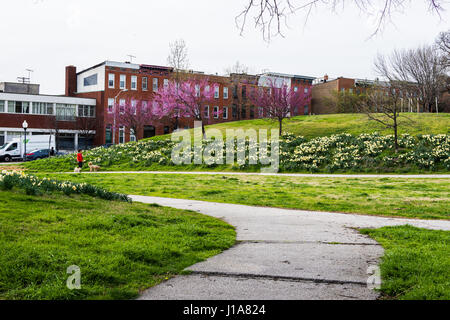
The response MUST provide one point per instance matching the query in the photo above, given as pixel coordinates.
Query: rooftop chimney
(71, 81)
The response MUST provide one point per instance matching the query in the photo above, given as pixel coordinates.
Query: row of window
(234, 112)
(45, 108)
(134, 84)
(109, 133)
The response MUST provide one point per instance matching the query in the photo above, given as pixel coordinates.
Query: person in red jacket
(80, 159)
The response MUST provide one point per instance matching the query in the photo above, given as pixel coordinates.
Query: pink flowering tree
(186, 98)
(133, 114)
(279, 101)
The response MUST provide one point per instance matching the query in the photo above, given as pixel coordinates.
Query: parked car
(14, 150)
(38, 154)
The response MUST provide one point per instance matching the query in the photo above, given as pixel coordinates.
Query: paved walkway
(410, 176)
(282, 254)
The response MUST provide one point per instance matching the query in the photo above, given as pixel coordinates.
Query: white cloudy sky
(47, 35)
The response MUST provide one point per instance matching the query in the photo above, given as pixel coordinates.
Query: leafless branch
(269, 15)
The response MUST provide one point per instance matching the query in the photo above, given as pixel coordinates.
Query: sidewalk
(282, 254)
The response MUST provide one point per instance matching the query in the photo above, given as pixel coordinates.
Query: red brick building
(324, 89)
(111, 83)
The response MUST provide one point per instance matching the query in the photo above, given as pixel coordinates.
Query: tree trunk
(280, 121)
(395, 134)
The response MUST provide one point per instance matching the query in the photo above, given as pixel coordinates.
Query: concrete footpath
(282, 254)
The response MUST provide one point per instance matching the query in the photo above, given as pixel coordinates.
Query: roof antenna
(29, 74)
(131, 57)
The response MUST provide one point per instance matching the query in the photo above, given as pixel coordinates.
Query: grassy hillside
(120, 248)
(328, 143)
(336, 153)
(326, 125)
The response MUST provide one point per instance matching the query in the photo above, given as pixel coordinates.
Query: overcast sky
(47, 35)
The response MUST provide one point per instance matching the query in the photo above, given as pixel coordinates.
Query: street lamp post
(114, 111)
(25, 127)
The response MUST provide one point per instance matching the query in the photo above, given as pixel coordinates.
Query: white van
(15, 149)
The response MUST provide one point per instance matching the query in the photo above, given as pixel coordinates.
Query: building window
(122, 105)
(108, 134)
(261, 112)
(144, 106)
(243, 112)
(306, 90)
(295, 89)
(66, 112)
(2, 138)
(244, 92)
(132, 135)
(234, 112)
(197, 90)
(18, 107)
(42, 108)
(225, 92)
(133, 82)
(121, 134)
(110, 105)
(123, 81)
(351, 91)
(166, 83)
(166, 129)
(225, 112)
(343, 90)
(206, 113)
(91, 80)
(155, 84)
(216, 92)
(111, 80)
(252, 112)
(216, 112)
(306, 111)
(133, 106)
(2, 106)
(145, 83)
(86, 111)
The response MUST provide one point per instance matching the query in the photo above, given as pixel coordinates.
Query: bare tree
(178, 59)
(271, 15)
(425, 67)
(443, 45)
(54, 130)
(86, 127)
(237, 68)
(383, 101)
(178, 56)
(443, 42)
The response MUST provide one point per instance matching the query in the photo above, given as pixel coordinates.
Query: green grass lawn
(416, 264)
(326, 125)
(412, 198)
(121, 248)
